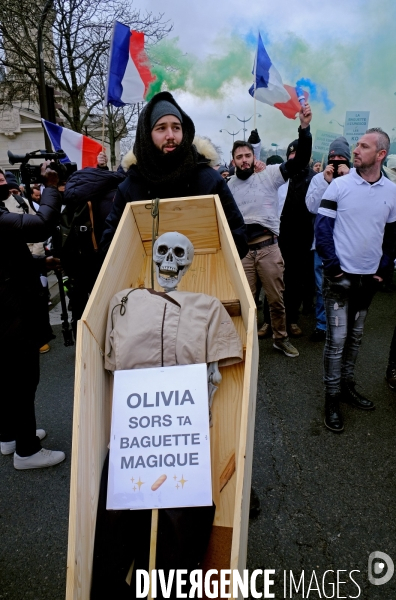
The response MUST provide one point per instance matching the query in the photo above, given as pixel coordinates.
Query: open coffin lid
(217, 271)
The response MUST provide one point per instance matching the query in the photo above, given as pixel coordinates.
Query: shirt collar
(359, 180)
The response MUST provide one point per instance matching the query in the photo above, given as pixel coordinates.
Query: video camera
(32, 173)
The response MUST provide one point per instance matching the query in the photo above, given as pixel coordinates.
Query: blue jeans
(347, 300)
(319, 308)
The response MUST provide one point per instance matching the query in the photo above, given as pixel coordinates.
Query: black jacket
(296, 222)
(98, 185)
(20, 286)
(204, 180)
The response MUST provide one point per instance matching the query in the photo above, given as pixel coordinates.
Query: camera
(32, 173)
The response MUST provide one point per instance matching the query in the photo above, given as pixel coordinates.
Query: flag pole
(103, 126)
(255, 84)
(106, 98)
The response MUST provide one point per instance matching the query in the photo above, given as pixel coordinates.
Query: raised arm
(304, 149)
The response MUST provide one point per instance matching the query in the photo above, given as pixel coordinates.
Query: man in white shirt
(256, 195)
(355, 231)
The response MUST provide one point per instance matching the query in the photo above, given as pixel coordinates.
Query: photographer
(338, 165)
(21, 332)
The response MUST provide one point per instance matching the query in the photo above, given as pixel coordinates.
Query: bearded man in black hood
(169, 162)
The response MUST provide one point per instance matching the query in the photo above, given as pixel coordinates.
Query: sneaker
(43, 458)
(44, 349)
(286, 347)
(264, 331)
(9, 447)
(391, 376)
(319, 335)
(295, 330)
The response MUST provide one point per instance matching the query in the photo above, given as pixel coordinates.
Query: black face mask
(4, 192)
(336, 164)
(244, 173)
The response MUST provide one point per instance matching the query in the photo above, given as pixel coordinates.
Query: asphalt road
(328, 500)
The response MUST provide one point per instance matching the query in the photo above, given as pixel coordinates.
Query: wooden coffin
(216, 270)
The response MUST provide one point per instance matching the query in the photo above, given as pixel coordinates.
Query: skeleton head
(173, 254)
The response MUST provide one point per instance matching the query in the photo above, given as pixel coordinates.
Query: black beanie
(275, 159)
(162, 108)
(292, 147)
(12, 181)
(340, 147)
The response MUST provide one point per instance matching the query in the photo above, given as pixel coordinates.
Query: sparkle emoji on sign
(182, 481)
(139, 483)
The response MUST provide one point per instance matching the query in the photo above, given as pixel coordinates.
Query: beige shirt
(154, 329)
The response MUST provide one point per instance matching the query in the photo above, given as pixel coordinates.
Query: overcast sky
(346, 48)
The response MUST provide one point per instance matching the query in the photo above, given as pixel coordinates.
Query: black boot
(391, 376)
(333, 418)
(351, 396)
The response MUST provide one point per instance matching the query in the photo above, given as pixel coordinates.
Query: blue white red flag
(129, 74)
(78, 148)
(268, 86)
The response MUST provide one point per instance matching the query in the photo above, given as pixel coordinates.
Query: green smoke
(357, 70)
(170, 65)
(205, 78)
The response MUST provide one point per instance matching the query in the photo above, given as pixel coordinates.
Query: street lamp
(234, 133)
(244, 121)
(276, 147)
(338, 123)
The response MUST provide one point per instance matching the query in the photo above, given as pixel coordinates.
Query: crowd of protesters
(303, 229)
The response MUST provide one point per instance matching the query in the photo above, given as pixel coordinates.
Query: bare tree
(76, 40)
(116, 122)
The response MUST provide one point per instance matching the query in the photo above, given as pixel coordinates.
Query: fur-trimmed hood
(203, 145)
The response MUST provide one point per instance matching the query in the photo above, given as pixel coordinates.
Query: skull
(173, 254)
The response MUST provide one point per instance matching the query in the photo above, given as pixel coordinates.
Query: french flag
(129, 74)
(78, 148)
(269, 87)
(292, 106)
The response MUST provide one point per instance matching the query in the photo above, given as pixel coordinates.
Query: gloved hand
(254, 137)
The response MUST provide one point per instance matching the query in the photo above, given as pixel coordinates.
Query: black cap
(292, 147)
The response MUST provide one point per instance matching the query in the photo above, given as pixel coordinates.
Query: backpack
(75, 241)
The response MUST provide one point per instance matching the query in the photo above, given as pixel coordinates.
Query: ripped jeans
(347, 300)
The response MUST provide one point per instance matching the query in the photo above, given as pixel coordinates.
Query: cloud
(347, 50)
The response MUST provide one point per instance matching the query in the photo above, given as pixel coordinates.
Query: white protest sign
(356, 125)
(160, 443)
(323, 140)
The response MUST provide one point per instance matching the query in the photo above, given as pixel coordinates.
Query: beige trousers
(268, 264)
